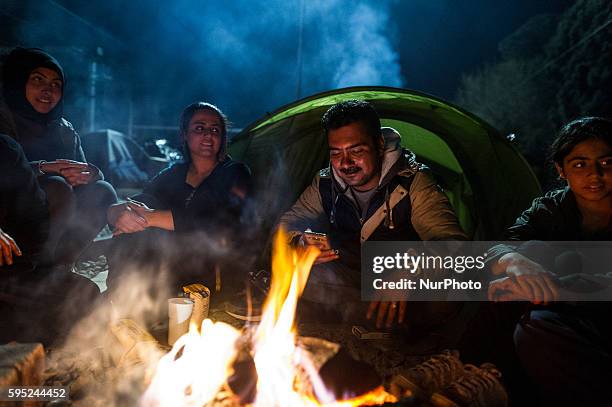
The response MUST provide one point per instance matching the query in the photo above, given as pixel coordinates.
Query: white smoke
(249, 50)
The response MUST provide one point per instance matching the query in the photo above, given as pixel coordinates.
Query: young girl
(565, 348)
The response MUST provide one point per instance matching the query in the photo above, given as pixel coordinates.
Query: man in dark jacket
(373, 190)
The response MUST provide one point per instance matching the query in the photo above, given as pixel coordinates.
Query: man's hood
(395, 159)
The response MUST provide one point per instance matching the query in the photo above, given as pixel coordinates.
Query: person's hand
(141, 209)
(506, 289)
(531, 279)
(56, 167)
(75, 172)
(387, 312)
(8, 247)
(326, 254)
(125, 219)
(76, 176)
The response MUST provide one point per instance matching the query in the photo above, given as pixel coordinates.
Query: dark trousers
(567, 352)
(42, 305)
(333, 294)
(77, 216)
(173, 259)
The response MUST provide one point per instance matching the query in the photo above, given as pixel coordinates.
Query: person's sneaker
(96, 270)
(91, 267)
(478, 387)
(436, 373)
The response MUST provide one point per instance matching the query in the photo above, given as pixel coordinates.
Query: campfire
(263, 366)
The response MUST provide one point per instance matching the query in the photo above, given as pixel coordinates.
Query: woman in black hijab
(33, 88)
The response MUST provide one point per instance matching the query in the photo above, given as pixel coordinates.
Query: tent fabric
(485, 177)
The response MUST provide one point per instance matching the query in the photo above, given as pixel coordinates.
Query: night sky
(441, 40)
(242, 55)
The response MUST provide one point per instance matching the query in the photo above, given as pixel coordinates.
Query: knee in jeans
(106, 192)
(99, 191)
(57, 189)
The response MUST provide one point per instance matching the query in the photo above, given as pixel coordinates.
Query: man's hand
(320, 241)
(506, 289)
(325, 256)
(530, 279)
(8, 247)
(387, 311)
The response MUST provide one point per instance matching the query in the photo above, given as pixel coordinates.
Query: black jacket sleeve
(23, 213)
(543, 220)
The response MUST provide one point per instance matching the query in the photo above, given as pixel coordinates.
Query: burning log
(345, 386)
(243, 381)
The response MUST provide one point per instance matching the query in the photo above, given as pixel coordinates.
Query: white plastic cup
(179, 314)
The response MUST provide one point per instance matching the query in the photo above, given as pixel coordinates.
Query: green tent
(485, 177)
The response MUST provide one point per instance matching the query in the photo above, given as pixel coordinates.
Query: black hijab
(18, 65)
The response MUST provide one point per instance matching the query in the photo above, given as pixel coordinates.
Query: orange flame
(274, 341)
(375, 397)
(276, 356)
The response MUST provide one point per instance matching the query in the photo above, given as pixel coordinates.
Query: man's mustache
(350, 170)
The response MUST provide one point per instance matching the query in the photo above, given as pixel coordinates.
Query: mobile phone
(362, 333)
(317, 239)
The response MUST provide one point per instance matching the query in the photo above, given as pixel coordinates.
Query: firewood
(132, 344)
(21, 364)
